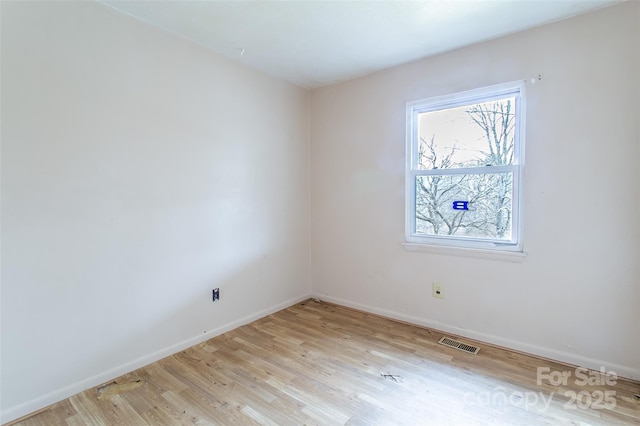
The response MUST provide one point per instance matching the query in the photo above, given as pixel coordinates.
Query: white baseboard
(43, 401)
(548, 353)
(36, 404)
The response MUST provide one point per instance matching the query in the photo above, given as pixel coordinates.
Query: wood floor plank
(317, 363)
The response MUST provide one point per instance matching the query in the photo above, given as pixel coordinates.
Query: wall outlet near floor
(438, 290)
(215, 294)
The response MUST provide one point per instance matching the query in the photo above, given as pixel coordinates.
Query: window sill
(507, 256)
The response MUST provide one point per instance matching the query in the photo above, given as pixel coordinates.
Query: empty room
(320, 212)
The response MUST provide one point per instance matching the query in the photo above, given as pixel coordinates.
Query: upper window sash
(482, 95)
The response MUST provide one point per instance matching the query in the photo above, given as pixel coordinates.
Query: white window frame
(484, 94)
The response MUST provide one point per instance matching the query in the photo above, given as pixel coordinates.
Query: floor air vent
(459, 345)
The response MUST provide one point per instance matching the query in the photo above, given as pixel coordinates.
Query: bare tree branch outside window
(489, 195)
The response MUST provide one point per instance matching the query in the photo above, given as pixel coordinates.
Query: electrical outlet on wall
(438, 290)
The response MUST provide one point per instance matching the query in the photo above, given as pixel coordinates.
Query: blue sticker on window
(460, 205)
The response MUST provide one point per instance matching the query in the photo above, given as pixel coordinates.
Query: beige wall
(139, 171)
(576, 296)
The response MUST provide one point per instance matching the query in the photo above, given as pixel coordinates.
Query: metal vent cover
(464, 347)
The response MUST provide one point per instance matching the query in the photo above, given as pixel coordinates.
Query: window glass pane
(465, 205)
(474, 135)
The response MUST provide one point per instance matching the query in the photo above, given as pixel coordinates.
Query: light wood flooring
(317, 363)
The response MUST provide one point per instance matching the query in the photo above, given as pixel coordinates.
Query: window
(463, 170)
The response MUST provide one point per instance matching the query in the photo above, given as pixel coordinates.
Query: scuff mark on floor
(392, 377)
(114, 388)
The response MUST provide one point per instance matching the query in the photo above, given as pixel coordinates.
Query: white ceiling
(315, 43)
